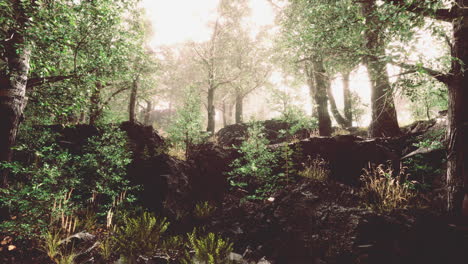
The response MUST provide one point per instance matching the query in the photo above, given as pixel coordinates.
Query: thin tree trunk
(336, 114)
(457, 132)
(239, 108)
(321, 97)
(224, 114)
(147, 115)
(12, 98)
(133, 99)
(348, 114)
(95, 110)
(384, 117)
(229, 113)
(211, 111)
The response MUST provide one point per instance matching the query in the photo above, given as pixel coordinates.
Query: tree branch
(440, 76)
(440, 14)
(33, 82)
(113, 95)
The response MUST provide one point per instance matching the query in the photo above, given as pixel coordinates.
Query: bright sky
(176, 21)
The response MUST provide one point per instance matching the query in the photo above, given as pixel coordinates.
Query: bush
(139, 236)
(50, 184)
(316, 169)
(255, 164)
(210, 249)
(382, 191)
(204, 210)
(186, 130)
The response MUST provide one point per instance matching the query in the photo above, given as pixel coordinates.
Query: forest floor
(334, 219)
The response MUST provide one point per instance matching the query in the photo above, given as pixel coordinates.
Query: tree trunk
(336, 114)
(384, 117)
(312, 89)
(321, 98)
(211, 111)
(224, 110)
(12, 97)
(229, 113)
(348, 114)
(147, 115)
(133, 99)
(239, 109)
(95, 110)
(457, 132)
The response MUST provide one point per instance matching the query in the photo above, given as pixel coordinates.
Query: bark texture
(384, 117)
(95, 109)
(13, 86)
(211, 111)
(133, 99)
(12, 102)
(321, 98)
(457, 132)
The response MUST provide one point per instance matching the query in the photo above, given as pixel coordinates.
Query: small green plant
(382, 191)
(210, 248)
(256, 162)
(316, 169)
(139, 236)
(51, 245)
(105, 248)
(185, 131)
(204, 210)
(67, 258)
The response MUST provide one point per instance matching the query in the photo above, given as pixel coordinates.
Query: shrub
(139, 236)
(316, 169)
(185, 131)
(210, 249)
(47, 172)
(382, 191)
(255, 163)
(53, 246)
(204, 210)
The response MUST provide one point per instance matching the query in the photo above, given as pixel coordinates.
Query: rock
(209, 164)
(264, 261)
(348, 155)
(79, 236)
(236, 258)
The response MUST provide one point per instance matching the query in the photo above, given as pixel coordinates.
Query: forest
(233, 131)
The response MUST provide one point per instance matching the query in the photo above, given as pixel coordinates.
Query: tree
(213, 63)
(321, 86)
(457, 83)
(186, 130)
(250, 62)
(384, 117)
(47, 42)
(317, 40)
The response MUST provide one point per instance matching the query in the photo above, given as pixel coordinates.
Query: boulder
(347, 155)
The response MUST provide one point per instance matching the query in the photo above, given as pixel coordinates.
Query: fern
(139, 236)
(211, 249)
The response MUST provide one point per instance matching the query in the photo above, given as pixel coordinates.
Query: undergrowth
(384, 192)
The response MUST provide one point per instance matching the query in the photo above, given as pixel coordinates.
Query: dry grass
(316, 169)
(177, 153)
(384, 192)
